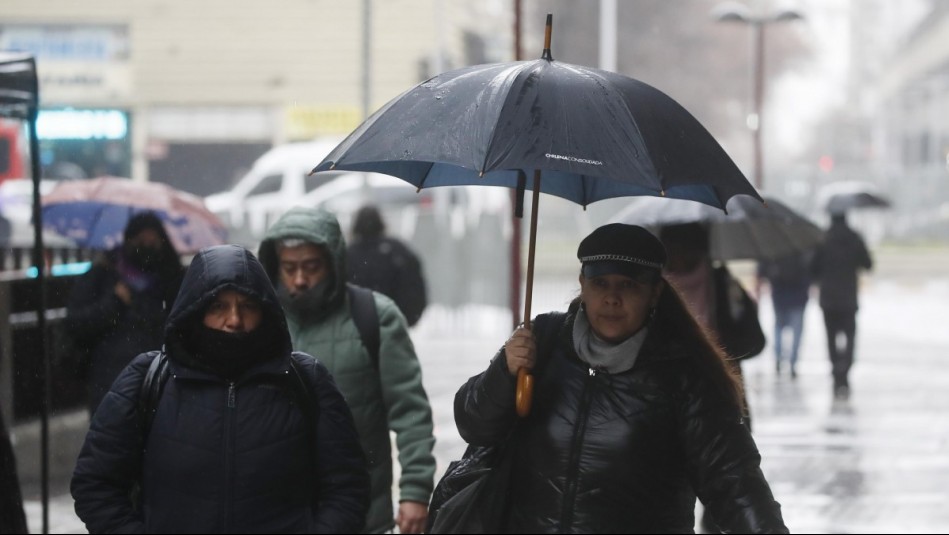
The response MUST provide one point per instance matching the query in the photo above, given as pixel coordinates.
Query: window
(269, 184)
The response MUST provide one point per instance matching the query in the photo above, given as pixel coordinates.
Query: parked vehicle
(277, 181)
(402, 204)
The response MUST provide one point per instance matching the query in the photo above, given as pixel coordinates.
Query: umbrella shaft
(531, 249)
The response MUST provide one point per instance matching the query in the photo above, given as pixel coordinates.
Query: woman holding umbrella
(635, 412)
(118, 309)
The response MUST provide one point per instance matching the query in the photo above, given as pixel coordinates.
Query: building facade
(190, 93)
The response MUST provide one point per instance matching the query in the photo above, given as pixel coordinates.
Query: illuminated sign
(308, 122)
(82, 124)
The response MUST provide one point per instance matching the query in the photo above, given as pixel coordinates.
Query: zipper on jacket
(573, 465)
(229, 456)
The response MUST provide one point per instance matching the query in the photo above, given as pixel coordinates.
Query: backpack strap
(158, 372)
(152, 387)
(362, 307)
(300, 391)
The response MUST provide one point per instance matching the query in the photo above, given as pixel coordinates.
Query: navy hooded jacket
(221, 455)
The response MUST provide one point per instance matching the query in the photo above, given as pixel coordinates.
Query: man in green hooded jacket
(304, 253)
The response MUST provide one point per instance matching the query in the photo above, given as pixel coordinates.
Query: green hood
(315, 226)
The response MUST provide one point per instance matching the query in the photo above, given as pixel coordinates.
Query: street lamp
(735, 12)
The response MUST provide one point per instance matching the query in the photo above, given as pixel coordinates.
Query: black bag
(739, 330)
(473, 495)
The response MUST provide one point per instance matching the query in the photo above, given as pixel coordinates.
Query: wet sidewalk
(876, 464)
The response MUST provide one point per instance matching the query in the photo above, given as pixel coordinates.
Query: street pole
(758, 98)
(366, 57)
(608, 35)
(734, 12)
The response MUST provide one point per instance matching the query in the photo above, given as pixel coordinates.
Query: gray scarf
(601, 355)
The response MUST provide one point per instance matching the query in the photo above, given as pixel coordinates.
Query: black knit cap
(621, 249)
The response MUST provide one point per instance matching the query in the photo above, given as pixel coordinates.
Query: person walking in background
(789, 278)
(635, 410)
(719, 303)
(836, 268)
(238, 434)
(118, 308)
(385, 264)
(716, 298)
(364, 341)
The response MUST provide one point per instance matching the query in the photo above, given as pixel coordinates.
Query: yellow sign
(307, 122)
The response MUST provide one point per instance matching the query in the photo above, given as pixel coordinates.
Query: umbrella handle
(525, 381)
(525, 392)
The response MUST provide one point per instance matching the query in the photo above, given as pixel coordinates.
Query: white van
(276, 182)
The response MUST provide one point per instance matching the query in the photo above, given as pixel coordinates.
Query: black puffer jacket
(224, 456)
(624, 453)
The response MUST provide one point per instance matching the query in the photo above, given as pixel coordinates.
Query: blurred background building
(191, 93)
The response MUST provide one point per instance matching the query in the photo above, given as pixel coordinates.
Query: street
(876, 464)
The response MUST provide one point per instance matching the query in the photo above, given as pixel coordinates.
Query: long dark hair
(673, 321)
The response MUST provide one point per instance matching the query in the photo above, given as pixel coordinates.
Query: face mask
(144, 258)
(229, 354)
(308, 301)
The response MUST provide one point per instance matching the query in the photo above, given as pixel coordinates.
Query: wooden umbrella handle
(525, 381)
(525, 392)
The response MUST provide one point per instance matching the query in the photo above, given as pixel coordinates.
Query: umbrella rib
(494, 128)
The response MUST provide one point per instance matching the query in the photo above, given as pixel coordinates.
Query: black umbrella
(585, 134)
(19, 99)
(749, 230)
(843, 202)
(841, 197)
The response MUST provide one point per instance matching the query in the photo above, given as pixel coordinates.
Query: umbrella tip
(547, 33)
(418, 189)
(662, 193)
(481, 174)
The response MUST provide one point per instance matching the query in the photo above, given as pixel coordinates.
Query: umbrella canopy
(595, 134)
(841, 197)
(586, 134)
(94, 213)
(749, 230)
(840, 203)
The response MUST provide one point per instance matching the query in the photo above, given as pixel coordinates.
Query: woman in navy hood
(232, 444)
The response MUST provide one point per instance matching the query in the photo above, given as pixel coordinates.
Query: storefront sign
(308, 122)
(85, 64)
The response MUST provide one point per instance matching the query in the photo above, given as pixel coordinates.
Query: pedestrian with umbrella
(636, 411)
(584, 135)
(836, 269)
(118, 308)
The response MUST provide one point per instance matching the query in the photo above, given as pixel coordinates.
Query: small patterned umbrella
(94, 213)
